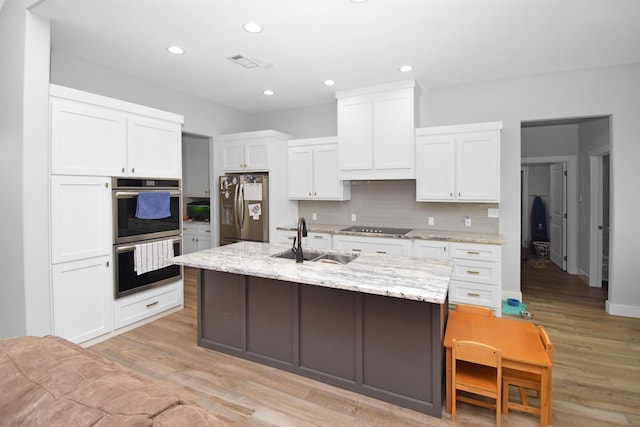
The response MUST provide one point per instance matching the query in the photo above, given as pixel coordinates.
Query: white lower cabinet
(430, 249)
(319, 240)
(195, 237)
(381, 245)
(83, 298)
(141, 305)
(477, 275)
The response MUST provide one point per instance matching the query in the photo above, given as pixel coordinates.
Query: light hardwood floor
(596, 373)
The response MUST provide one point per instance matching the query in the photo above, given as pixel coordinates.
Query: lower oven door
(127, 281)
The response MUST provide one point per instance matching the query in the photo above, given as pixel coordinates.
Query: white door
(558, 214)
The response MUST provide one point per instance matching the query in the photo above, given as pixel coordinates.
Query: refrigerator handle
(236, 207)
(241, 203)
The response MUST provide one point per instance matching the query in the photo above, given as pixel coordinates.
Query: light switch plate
(431, 221)
(353, 217)
(314, 216)
(493, 213)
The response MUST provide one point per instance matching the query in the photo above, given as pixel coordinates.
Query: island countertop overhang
(418, 279)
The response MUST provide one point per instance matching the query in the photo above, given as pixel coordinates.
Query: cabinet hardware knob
(450, 194)
(106, 185)
(152, 304)
(122, 170)
(472, 294)
(472, 272)
(133, 170)
(309, 192)
(459, 194)
(381, 252)
(317, 237)
(315, 194)
(357, 250)
(473, 252)
(107, 264)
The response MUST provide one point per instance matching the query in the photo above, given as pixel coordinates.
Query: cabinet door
(319, 240)
(355, 132)
(154, 148)
(478, 167)
(326, 184)
(233, 156)
(301, 173)
(435, 168)
(430, 249)
(256, 155)
(81, 217)
(393, 130)
(195, 167)
(87, 140)
(83, 299)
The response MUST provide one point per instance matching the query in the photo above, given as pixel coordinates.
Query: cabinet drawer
(319, 240)
(379, 245)
(476, 252)
(474, 293)
(136, 307)
(477, 271)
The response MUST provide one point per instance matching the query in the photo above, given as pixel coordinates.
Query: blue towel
(153, 205)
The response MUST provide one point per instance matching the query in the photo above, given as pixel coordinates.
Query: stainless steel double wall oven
(130, 230)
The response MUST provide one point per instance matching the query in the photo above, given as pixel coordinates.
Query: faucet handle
(293, 248)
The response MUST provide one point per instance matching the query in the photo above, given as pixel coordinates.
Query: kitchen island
(373, 326)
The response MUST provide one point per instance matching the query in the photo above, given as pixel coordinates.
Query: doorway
(581, 145)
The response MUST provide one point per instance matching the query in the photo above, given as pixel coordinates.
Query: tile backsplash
(393, 204)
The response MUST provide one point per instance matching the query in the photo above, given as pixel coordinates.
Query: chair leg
(454, 397)
(505, 398)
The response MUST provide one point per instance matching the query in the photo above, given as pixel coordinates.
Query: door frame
(571, 198)
(553, 255)
(595, 214)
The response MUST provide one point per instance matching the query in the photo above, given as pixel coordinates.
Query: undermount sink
(318, 256)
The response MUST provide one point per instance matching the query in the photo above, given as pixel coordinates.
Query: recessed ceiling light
(176, 50)
(406, 68)
(358, 1)
(329, 82)
(268, 92)
(252, 27)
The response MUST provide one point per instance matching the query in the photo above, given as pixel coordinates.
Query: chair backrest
(546, 342)
(474, 309)
(478, 353)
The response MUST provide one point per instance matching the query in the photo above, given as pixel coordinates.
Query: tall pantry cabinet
(94, 138)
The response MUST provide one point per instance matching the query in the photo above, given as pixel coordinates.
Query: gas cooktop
(377, 230)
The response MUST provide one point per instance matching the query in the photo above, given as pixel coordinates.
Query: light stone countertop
(421, 234)
(418, 279)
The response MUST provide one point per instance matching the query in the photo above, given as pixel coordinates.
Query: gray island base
(386, 347)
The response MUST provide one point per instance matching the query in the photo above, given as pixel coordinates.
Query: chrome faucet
(302, 232)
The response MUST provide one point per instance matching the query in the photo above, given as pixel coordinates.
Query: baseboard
(622, 310)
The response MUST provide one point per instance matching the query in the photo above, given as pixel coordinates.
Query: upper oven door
(127, 228)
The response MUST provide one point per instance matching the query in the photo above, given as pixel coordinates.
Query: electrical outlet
(431, 221)
(353, 217)
(467, 221)
(314, 216)
(493, 213)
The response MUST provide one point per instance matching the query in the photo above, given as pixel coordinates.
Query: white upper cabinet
(313, 170)
(376, 132)
(249, 151)
(154, 148)
(87, 139)
(458, 163)
(100, 136)
(195, 167)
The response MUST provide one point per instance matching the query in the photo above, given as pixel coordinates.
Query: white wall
(308, 122)
(201, 117)
(24, 228)
(598, 92)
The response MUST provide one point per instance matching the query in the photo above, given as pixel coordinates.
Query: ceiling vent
(243, 61)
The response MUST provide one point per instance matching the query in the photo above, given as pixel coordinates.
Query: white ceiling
(305, 42)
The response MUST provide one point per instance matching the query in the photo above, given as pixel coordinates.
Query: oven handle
(128, 248)
(135, 193)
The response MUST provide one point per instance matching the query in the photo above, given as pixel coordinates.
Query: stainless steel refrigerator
(244, 208)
